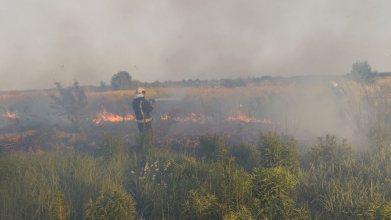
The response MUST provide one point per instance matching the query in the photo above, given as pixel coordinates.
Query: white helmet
(140, 90)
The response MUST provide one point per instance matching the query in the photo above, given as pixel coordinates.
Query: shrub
(121, 81)
(201, 205)
(211, 146)
(231, 185)
(111, 146)
(60, 209)
(246, 156)
(278, 152)
(331, 156)
(113, 203)
(71, 102)
(275, 190)
(361, 72)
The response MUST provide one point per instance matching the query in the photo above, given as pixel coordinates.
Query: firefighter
(142, 109)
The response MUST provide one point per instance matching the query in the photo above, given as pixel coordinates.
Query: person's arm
(147, 107)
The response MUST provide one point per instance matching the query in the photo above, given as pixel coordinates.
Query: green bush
(331, 156)
(111, 146)
(362, 73)
(275, 191)
(246, 156)
(30, 184)
(113, 203)
(278, 152)
(211, 146)
(201, 205)
(61, 209)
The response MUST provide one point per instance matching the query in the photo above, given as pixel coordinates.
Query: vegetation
(362, 73)
(121, 81)
(329, 182)
(70, 102)
(269, 179)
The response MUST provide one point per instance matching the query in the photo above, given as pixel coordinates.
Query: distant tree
(137, 83)
(362, 73)
(157, 83)
(268, 78)
(256, 80)
(102, 86)
(121, 81)
(70, 102)
(240, 82)
(228, 83)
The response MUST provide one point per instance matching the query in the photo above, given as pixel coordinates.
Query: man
(142, 109)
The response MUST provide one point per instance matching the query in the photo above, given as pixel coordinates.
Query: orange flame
(105, 116)
(164, 117)
(11, 115)
(243, 118)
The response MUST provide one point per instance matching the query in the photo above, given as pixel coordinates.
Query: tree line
(361, 72)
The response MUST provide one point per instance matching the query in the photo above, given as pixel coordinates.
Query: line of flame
(105, 116)
(243, 118)
(11, 115)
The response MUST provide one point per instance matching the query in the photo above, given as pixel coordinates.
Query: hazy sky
(179, 39)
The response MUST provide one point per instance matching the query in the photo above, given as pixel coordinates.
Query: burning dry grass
(243, 118)
(110, 117)
(213, 109)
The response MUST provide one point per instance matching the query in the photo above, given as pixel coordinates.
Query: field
(264, 151)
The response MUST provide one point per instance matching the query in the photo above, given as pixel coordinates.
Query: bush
(278, 152)
(331, 156)
(111, 146)
(201, 205)
(246, 156)
(71, 102)
(113, 203)
(275, 190)
(121, 81)
(60, 209)
(361, 72)
(211, 146)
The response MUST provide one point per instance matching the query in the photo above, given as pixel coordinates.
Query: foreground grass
(267, 181)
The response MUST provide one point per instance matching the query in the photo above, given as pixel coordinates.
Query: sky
(42, 41)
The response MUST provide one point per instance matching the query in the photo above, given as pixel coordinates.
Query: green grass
(333, 182)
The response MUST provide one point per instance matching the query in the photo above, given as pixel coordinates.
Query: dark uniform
(142, 109)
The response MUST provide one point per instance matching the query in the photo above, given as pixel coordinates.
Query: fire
(164, 117)
(105, 116)
(11, 115)
(243, 118)
(192, 118)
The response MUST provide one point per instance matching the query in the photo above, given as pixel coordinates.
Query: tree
(71, 102)
(361, 72)
(228, 83)
(121, 81)
(102, 86)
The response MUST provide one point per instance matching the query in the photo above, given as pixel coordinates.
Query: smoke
(44, 40)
